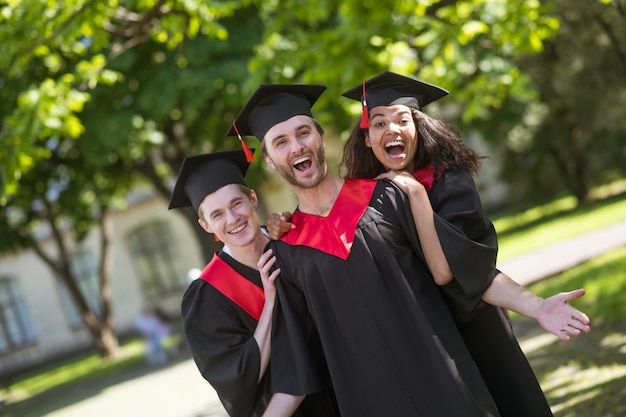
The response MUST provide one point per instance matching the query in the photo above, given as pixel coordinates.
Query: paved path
(558, 257)
(178, 390)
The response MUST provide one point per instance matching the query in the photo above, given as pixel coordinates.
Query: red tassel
(246, 150)
(215, 238)
(365, 118)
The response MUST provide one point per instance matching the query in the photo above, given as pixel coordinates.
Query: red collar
(333, 234)
(426, 176)
(238, 289)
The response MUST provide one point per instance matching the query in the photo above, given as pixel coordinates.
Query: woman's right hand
(278, 224)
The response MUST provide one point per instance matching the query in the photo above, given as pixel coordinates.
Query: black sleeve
(468, 238)
(220, 337)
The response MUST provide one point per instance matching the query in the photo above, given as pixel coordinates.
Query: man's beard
(288, 171)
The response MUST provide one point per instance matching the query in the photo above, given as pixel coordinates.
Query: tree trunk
(102, 333)
(103, 336)
(109, 344)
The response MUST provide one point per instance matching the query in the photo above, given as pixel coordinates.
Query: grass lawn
(586, 376)
(543, 225)
(67, 377)
(76, 370)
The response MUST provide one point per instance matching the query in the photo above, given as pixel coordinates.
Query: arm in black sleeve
(220, 337)
(468, 236)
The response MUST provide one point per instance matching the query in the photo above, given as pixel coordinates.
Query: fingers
(572, 330)
(265, 264)
(266, 261)
(278, 224)
(285, 225)
(577, 314)
(274, 275)
(393, 174)
(274, 218)
(581, 317)
(579, 325)
(572, 295)
(263, 259)
(273, 225)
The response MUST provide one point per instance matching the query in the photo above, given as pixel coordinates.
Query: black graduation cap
(201, 175)
(389, 88)
(272, 104)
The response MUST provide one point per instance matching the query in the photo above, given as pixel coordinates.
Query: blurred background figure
(155, 330)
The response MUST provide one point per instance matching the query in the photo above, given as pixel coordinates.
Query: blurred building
(153, 250)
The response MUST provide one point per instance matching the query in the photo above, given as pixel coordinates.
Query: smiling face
(230, 213)
(392, 136)
(295, 149)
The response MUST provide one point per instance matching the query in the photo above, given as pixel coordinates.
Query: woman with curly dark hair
(437, 144)
(427, 159)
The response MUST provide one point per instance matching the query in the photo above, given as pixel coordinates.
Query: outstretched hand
(268, 277)
(561, 319)
(278, 224)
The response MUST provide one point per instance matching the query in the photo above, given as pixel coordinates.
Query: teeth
(394, 143)
(300, 160)
(237, 229)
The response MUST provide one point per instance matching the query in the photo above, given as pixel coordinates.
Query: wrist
(534, 307)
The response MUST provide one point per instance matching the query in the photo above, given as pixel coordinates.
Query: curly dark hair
(438, 144)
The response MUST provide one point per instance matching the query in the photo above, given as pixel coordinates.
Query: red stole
(426, 176)
(238, 289)
(333, 234)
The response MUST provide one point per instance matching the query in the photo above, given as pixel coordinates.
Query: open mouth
(238, 229)
(302, 164)
(395, 148)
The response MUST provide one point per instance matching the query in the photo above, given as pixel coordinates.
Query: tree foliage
(468, 47)
(91, 92)
(572, 137)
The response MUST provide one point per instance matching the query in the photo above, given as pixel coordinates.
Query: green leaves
(148, 82)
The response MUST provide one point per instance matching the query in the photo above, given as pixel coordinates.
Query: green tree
(572, 137)
(469, 47)
(171, 103)
(91, 92)
(512, 67)
(60, 200)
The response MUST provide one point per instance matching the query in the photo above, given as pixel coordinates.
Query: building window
(155, 260)
(85, 270)
(16, 326)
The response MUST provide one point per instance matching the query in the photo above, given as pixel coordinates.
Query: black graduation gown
(390, 342)
(487, 330)
(220, 336)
